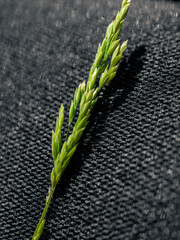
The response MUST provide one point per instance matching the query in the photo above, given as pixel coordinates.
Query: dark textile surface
(124, 180)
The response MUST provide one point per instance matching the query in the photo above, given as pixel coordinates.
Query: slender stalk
(67, 132)
(103, 70)
(44, 211)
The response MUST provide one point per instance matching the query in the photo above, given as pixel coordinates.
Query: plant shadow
(115, 93)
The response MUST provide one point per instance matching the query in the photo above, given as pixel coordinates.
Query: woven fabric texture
(123, 183)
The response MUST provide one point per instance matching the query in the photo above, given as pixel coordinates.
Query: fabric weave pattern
(124, 180)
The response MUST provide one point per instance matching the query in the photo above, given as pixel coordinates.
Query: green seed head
(85, 97)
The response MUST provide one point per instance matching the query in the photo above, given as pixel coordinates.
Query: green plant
(103, 70)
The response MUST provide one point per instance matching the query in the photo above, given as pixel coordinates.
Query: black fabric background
(124, 180)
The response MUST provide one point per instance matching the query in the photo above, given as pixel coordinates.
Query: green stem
(67, 131)
(45, 210)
